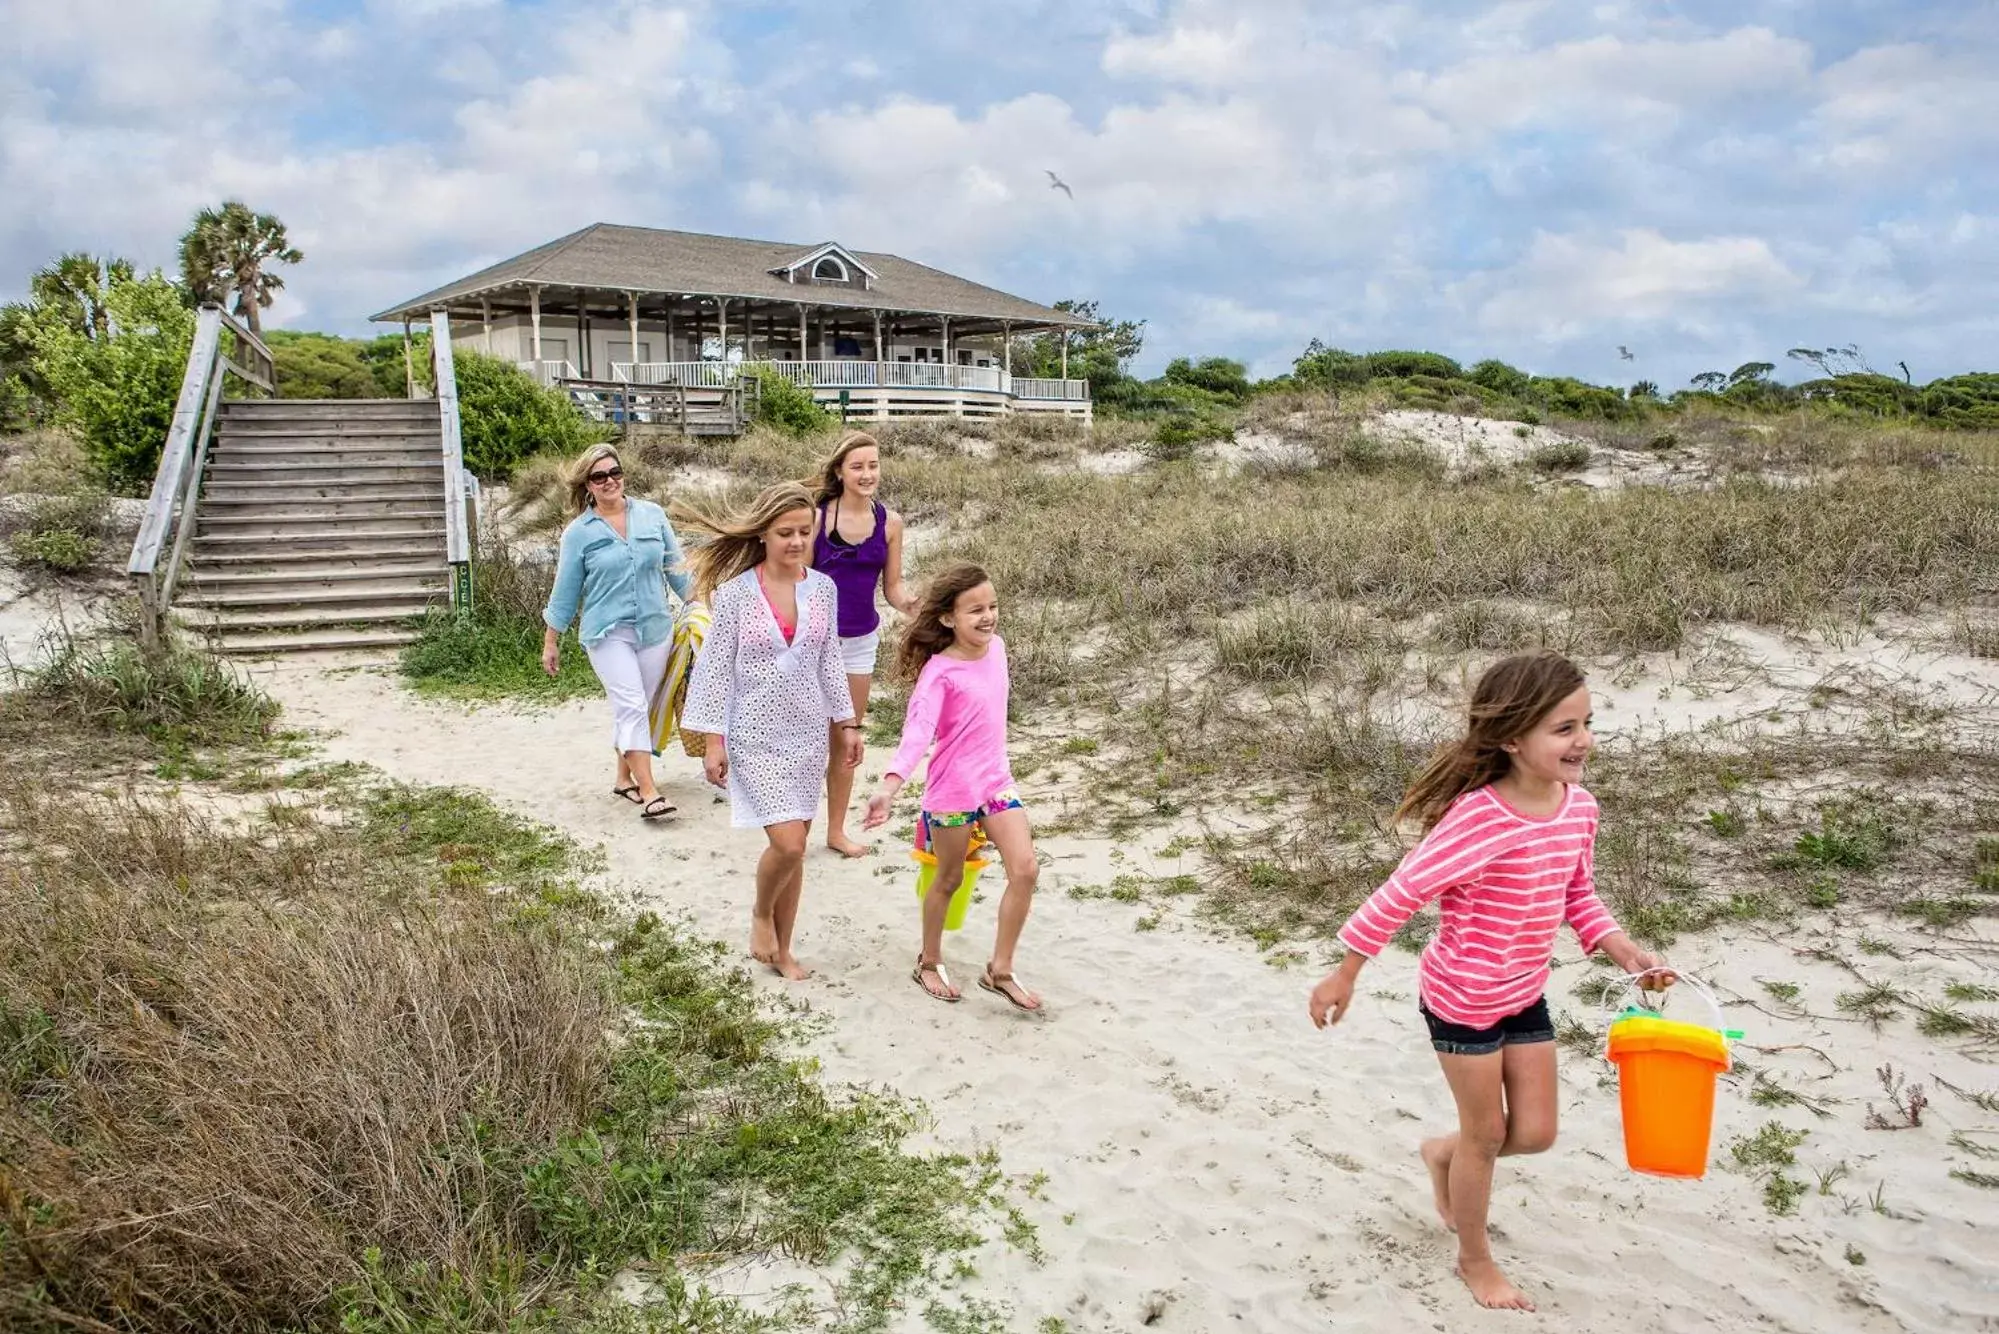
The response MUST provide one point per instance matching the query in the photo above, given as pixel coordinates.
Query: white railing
(850, 375)
(548, 372)
(1073, 391)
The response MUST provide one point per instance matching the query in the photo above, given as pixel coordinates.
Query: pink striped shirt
(1503, 883)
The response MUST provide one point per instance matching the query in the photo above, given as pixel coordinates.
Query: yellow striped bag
(671, 701)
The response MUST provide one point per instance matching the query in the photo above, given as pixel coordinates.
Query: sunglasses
(610, 475)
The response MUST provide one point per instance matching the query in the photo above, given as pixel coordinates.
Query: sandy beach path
(1212, 1162)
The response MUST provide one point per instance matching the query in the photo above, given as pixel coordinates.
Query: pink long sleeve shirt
(962, 707)
(1503, 882)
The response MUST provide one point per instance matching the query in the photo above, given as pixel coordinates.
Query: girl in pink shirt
(954, 656)
(1507, 855)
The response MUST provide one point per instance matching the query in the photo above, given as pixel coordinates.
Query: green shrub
(119, 392)
(1501, 378)
(1216, 375)
(318, 365)
(63, 551)
(505, 417)
(1559, 456)
(169, 693)
(789, 407)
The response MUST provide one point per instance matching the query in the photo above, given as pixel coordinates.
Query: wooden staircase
(321, 525)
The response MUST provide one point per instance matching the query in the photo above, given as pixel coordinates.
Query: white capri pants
(631, 673)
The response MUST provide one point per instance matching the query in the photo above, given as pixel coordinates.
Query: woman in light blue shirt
(613, 554)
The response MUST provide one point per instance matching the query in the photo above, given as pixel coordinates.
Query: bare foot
(846, 846)
(789, 968)
(1489, 1287)
(1437, 1157)
(763, 940)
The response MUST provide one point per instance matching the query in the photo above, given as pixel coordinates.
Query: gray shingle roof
(647, 260)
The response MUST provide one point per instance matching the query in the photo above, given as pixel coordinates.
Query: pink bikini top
(786, 628)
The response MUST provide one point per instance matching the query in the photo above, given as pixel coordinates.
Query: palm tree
(226, 250)
(75, 287)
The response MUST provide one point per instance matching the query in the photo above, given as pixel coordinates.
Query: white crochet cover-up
(769, 700)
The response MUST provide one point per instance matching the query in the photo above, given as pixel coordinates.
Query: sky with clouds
(1703, 182)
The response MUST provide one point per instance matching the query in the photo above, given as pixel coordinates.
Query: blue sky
(1541, 180)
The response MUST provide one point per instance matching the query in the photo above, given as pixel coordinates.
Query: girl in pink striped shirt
(953, 654)
(1507, 856)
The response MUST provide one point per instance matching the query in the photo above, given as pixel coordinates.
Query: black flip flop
(657, 809)
(630, 794)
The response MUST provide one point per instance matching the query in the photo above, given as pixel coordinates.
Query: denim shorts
(1532, 1024)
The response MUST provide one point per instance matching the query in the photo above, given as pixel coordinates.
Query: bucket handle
(1625, 995)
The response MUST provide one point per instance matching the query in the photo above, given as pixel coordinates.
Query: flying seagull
(1626, 353)
(1057, 183)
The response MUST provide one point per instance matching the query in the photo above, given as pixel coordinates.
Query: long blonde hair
(1511, 699)
(576, 477)
(830, 484)
(735, 541)
(926, 635)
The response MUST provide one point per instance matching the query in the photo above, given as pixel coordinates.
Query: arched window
(829, 270)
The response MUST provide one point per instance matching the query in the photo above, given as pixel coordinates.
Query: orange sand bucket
(1666, 1072)
(961, 898)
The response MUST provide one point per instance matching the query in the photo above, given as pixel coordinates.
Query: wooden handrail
(195, 385)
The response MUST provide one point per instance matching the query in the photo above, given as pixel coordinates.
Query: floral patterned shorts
(1008, 800)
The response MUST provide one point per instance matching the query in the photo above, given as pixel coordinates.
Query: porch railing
(850, 375)
(548, 372)
(170, 511)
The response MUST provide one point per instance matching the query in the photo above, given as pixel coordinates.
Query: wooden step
(231, 494)
(313, 572)
(359, 539)
(320, 470)
(273, 530)
(330, 409)
(370, 456)
(299, 594)
(245, 555)
(255, 644)
(325, 434)
(397, 610)
(307, 510)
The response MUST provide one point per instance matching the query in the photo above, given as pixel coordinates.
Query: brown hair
(830, 485)
(1511, 699)
(926, 635)
(576, 477)
(735, 541)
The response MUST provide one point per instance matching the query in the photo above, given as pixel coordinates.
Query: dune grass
(343, 1055)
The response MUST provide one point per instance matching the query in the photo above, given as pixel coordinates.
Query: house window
(829, 270)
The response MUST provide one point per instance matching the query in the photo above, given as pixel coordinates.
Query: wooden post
(1006, 333)
(633, 299)
(1065, 356)
(409, 366)
(878, 338)
(586, 365)
(486, 325)
(722, 326)
(946, 321)
(534, 319)
(671, 354)
(801, 332)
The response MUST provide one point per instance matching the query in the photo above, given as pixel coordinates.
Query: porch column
(946, 321)
(671, 353)
(586, 365)
(1006, 336)
(534, 319)
(409, 367)
(1065, 355)
(878, 337)
(722, 326)
(804, 354)
(486, 325)
(632, 308)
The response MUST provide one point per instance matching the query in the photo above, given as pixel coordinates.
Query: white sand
(1211, 1158)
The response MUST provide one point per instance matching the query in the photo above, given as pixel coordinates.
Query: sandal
(997, 984)
(942, 976)
(657, 809)
(630, 794)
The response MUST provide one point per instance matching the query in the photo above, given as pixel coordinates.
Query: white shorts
(858, 652)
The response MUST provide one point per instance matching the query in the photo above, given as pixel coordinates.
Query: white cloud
(1902, 109)
(1565, 285)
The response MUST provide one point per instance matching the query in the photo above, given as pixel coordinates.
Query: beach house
(611, 307)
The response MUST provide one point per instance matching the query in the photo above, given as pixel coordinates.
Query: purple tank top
(856, 571)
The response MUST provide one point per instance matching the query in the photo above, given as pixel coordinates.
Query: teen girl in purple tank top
(857, 542)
